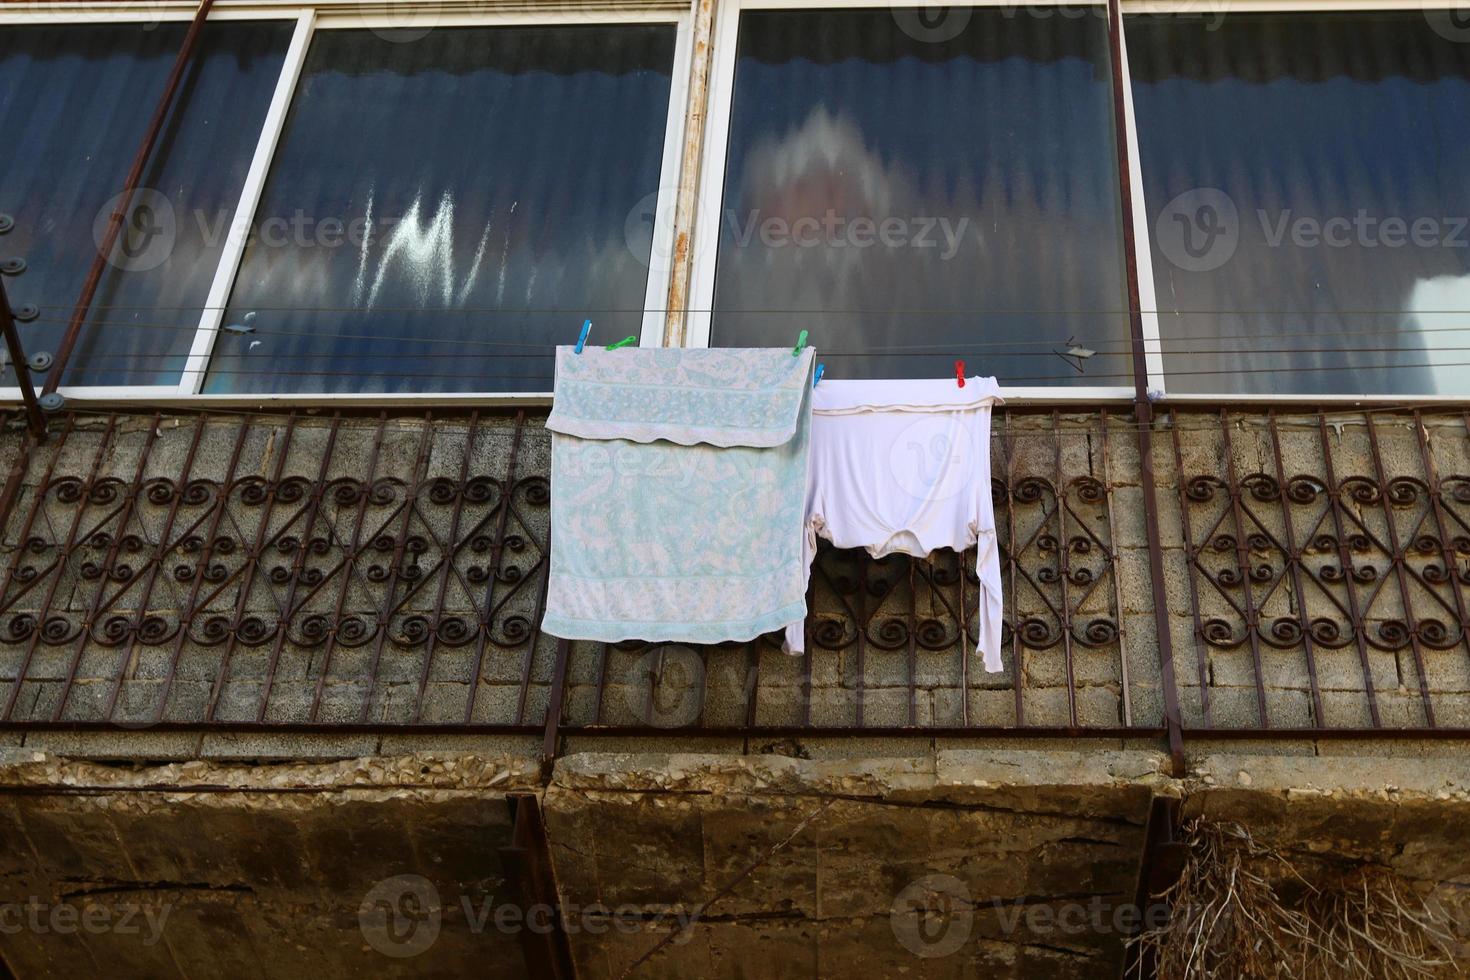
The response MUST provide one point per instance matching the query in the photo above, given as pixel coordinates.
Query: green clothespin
(623, 343)
(800, 343)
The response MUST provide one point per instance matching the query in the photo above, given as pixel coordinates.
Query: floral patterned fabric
(678, 486)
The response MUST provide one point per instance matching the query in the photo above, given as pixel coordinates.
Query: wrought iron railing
(383, 572)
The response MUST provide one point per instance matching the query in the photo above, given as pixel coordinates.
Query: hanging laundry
(904, 467)
(678, 481)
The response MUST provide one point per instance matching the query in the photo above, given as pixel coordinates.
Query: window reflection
(440, 213)
(77, 101)
(914, 196)
(1305, 183)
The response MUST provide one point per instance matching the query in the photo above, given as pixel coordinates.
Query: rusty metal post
(1159, 867)
(528, 871)
(1143, 408)
(125, 198)
(35, 422)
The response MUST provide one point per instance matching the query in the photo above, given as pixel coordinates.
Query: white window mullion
(192, 381)
(1153, 353)
(661, 255)
(706, 238)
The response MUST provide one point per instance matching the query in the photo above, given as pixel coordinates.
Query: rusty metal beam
(35, 421)
(125, 198)
(1143, 408)
(1159, 867)
(529, 874)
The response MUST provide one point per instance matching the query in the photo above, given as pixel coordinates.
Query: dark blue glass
(915, 190)
(1305, 176)
(75, 102)
(442, 210)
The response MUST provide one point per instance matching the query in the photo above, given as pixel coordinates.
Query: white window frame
(326, 15)
(1144, 231)
(711, 197)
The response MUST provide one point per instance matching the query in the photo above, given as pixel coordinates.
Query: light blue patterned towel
(678, 490)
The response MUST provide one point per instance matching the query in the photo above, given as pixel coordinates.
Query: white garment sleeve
(987, 550)
(992, 608)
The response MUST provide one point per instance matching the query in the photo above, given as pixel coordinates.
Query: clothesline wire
(1008, 379)
(320, 416)
(582, 311)
(913, 350)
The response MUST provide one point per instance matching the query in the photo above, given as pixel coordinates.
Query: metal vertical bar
(536, 635)
(1117, 582)
(349, 564)
(206, 552)
(1193, 559)
(312, 508)
(1345, 559)
(125, 198)
(1064, 559)
(1400, 574)
(154, 564)
(913, 664)
(12, 491)
(420, 467)
(1431, 471)
(1294, 562)
(545, 948)
(497, 546)
(1013, 561)
(71, 535)
(752, 685)
(551, 738)
(105, 577)
(862, 644)
(35, 421)
(1143, 408)
(451, 546)
(252, 566)
(1243, 567)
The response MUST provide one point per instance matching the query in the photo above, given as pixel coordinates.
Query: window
(76, 100)
(915, 194)
(441, 212)
(1305, 185)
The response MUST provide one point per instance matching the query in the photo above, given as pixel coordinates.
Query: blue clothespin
(582, 340)
(800, 343)
(623, 343)
(818, 379)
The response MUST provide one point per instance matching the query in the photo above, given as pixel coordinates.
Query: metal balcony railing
(388, 573)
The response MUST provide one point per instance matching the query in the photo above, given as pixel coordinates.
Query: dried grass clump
(1242, 911)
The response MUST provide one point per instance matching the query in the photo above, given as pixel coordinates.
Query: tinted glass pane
(1305, 181)
(442, 211)
(77, 101)
(914, 193)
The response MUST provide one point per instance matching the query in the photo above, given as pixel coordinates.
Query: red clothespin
(959, 373)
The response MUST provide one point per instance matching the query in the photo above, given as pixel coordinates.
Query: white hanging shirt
(904, 467)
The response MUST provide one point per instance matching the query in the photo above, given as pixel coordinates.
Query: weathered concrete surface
(819, 850)
(946, 863)
(204, 869)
